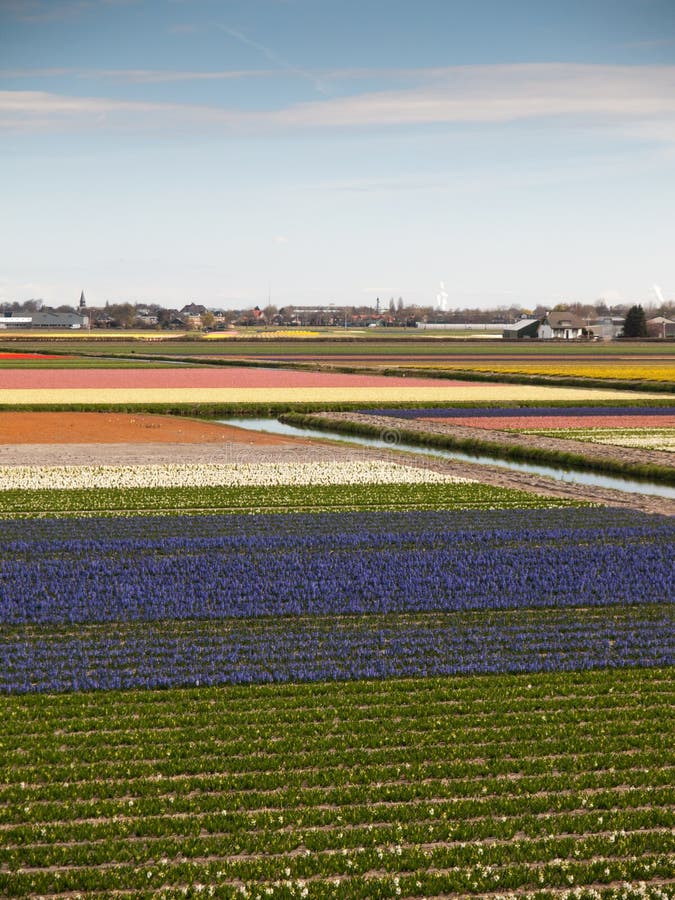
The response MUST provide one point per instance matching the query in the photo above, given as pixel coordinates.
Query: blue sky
(318, 151)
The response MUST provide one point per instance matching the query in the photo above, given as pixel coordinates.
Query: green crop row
(364, 846)
(369, 873)
(527, 738)
(270, 706)
(319, 829)
(219, 411)
(271, 498)
(526, 735)
(508, 796)
(108, 795)
(466, 785)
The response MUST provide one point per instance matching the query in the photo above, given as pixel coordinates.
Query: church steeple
(83, 302)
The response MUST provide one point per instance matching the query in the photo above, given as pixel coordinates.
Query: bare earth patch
(109, 439)
(121, 428)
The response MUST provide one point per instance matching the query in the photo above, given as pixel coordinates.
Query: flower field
(553, 416)
(233, 384)
(212, 600)
(355, 472)
(621, 369)
(251, 499)
(228, 377)
(508, 786)
(645, 438)
(347, 678)
(642, 427)
(8, 355)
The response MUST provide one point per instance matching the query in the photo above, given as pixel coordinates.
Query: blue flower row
(14, 531)
(299, 570)
(222, 599)
(171, 654)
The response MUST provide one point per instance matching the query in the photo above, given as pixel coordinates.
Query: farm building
(561, 325)
(661, 327)
(525, 328)
(45, 320)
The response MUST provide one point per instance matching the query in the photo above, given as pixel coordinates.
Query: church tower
(83, 302)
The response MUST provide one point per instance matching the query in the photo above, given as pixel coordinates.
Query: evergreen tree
(635, 324)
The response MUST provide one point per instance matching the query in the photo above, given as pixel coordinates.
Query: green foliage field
(80, 362)
(471, 786)
(376, 343)
(269, 498)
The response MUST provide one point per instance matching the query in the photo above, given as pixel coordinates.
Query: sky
(243, 152)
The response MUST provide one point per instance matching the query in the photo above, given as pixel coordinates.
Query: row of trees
(129, 315)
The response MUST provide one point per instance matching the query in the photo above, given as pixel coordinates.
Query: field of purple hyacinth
(259, 598)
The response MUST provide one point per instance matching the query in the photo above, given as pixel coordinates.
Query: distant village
(574, 321)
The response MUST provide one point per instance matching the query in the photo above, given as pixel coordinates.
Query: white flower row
(665, 443)
(206, 475)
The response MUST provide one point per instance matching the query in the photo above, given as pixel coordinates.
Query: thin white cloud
(137, 76)
(636, 98)
(502, 94)
(38, 12)
(176, 75)
(38, 110)
(159, 76)
(34, 12)
(274, 57)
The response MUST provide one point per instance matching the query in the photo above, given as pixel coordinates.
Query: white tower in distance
(442, 298)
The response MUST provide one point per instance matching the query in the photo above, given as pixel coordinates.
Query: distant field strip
(251, 499)
(238, 384)
(523, 786)
(641, 427)
(226, 377)
(235, 475)
(629, 414)
(563, 423)
(645, 370)
(387, 393)
(662, 439)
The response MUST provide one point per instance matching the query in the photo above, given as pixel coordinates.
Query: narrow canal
(571, 476)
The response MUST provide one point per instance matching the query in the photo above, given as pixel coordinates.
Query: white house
(562, 326)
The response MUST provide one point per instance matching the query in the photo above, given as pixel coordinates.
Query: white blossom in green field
(219, 475)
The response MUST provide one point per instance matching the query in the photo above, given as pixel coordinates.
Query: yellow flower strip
(366, 395)
(657, 371)
(77, 335)
(219, 335)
